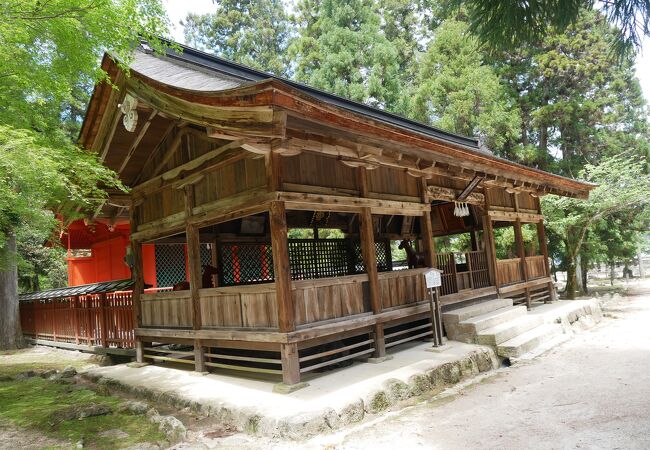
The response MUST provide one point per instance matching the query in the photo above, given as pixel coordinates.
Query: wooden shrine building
(251, 173)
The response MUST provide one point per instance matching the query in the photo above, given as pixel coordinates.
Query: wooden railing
(329, 298)
(252, 306)
(536, 266)
(96, 320)
(402, 287)
(509, 271)
(463, 271)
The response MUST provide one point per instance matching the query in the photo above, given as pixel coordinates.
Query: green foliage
(623, 190)
(517, 24)
(49, 48)
(341, 48)
(49, 61)
(456, 91)
(255, 33)
(36, 179)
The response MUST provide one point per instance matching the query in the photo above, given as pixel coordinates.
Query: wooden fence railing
(402, 287)
(463, 271)
(104, 320)
(509, 271)
(535, 266)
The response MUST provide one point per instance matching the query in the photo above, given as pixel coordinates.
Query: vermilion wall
(105, 264)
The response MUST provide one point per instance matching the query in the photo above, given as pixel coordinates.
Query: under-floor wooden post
(139, 350)
(369, 252)
(199, 356)
(290, 364)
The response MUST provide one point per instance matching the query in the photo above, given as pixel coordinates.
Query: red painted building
(97, 252)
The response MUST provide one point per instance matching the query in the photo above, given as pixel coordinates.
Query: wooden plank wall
(385, 180)
(252, 306)
(500, 199)
(172, 309)
(229, 180)
(319, 171)
(509, 271)
(401, 288)
(329, 298)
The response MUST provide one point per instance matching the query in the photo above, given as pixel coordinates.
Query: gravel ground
(591, 392)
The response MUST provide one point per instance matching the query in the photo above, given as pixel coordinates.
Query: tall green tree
(341, 48)
(455, 90)
(623, 186)
(254, 33)
(517, 24)
(49, 55)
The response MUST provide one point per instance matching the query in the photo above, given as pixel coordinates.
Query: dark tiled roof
(84, 289)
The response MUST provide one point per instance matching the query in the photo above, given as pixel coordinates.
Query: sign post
(433, 281)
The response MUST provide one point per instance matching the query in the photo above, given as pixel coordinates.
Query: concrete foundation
(334, 399)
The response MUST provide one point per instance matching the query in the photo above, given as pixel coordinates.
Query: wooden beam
(136, 142)
(155, 151)
(281, 269)
(256, 121)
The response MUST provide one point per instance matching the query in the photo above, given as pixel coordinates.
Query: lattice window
(170, 264)
(383, 255)
(311, 258)
(249, 263)
(206, 254)
(245, 263)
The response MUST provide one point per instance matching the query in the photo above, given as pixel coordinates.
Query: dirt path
(592, 392)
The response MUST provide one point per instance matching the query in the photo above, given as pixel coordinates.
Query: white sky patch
(178, 10)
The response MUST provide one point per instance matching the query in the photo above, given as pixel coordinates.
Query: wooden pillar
(490, 251)
(543, 246)
(137, 275)
(273, 171)
(103, 332)
(427, 239)
(362, 181)
(290, 363)
(194, 260)
(519, 240)
(369, 253)
(281, 269)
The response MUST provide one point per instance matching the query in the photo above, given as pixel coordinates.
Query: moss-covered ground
(34, 405)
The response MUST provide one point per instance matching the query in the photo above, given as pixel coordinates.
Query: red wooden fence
(104, 320)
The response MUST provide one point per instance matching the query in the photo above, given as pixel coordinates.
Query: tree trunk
(611, 274)
(571, 280)
(584, 268)
(11, 335)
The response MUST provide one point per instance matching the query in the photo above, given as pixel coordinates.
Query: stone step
(491, 319)
(457, 315)
(527, 341)
(508, 330)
